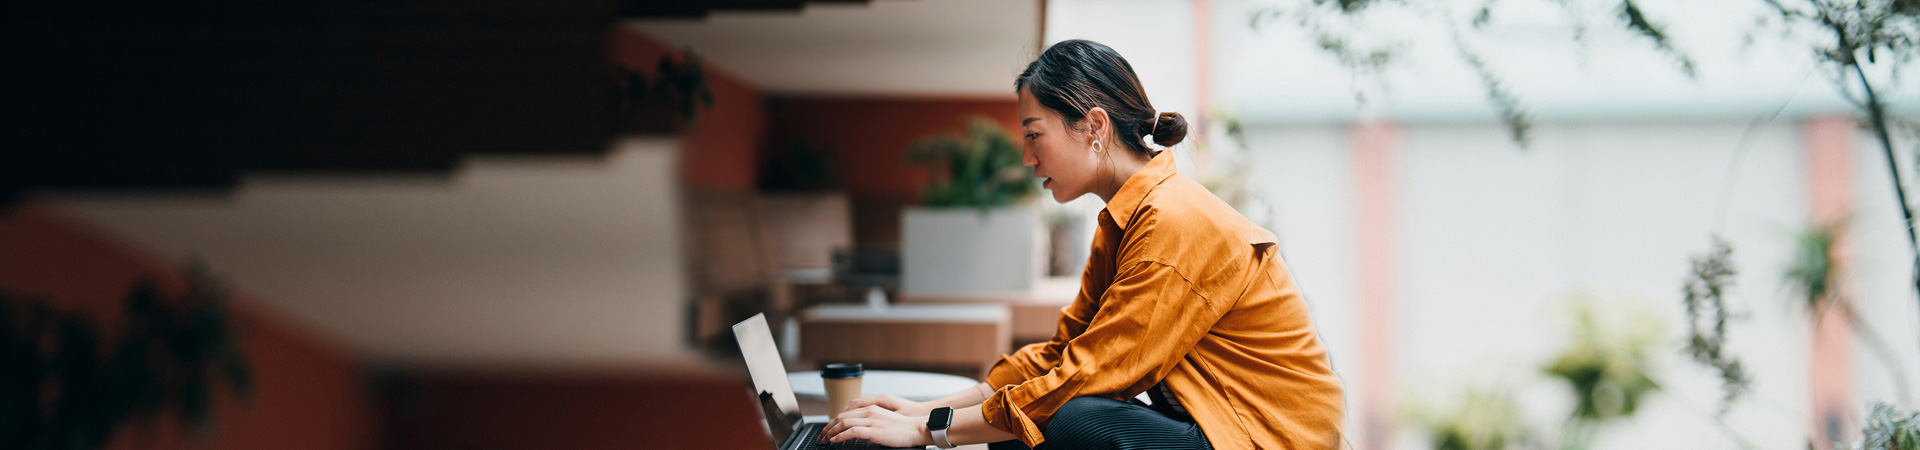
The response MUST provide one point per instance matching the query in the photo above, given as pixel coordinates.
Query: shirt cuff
(1001, 413)
(1004, 373)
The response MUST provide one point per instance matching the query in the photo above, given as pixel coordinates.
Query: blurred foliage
(679, 84)
(70, 381)
(799, 166)
(1606, 367)
(1705, 302)
(1631, 18)
(1483, 420)
(1345, 5)
(1513, 114)
(1813, 272)
(1330, 24)
(1888, 428)
(980, 169)
(1229, 173)
(1338, 27)
(1853, 29)
(1846, 36)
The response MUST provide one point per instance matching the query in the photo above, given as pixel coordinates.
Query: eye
(1032, 136)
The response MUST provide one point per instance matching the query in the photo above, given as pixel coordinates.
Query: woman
(1182, 298)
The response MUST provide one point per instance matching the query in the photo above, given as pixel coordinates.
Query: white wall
(1156, 38)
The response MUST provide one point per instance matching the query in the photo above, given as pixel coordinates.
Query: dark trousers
(1093, 423)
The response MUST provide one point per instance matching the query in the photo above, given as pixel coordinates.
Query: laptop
(789, 430)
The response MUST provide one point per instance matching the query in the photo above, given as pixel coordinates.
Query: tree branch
(1876, 113)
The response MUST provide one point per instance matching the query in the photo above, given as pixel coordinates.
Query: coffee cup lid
(843, 371)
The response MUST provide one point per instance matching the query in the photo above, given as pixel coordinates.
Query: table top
(916, 386)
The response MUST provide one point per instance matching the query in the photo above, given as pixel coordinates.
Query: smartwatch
(937, 423)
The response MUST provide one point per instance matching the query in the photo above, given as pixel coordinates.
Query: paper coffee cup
(843, 385)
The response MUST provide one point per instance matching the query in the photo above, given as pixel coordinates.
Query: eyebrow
(1024, 122)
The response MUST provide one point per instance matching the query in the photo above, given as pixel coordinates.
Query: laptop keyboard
(811, 441)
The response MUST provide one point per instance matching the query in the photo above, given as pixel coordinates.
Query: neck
(1123, 165)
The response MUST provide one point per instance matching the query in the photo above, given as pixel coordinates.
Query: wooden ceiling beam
(696, 9)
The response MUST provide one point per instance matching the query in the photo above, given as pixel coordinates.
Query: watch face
(940, 419)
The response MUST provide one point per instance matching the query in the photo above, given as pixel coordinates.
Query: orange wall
(307, 391)
(720, 147)
(871, 135)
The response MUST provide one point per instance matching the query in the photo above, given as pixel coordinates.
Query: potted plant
(74, 380)
(667, 102)
(975, 232)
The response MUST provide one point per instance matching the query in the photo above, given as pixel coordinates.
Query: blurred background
(1519, 224)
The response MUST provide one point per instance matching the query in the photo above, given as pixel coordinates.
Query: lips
(1047, 184)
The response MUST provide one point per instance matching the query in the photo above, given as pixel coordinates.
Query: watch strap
(940, 439)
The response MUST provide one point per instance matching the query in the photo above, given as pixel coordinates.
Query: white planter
(965, 251)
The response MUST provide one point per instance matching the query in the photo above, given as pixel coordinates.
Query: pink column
(1202, 70)
(1374, 145)
(1829, 144)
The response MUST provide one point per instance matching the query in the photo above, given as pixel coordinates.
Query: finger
(876, 401)
(833, 427)
(875, 412)
(841, 422)
(851, 433)
(859, 402)
(884, 401)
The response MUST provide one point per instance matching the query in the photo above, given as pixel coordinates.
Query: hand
(879, 425)
(892, 403)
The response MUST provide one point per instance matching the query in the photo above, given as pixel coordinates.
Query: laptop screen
(768, 373)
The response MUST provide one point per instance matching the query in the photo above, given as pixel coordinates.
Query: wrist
(926, 436)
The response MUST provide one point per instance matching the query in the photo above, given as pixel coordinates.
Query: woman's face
(1059, 153)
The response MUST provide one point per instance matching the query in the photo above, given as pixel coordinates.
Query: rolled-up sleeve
(1030, 361)
(1036, 359)
(1148, 319)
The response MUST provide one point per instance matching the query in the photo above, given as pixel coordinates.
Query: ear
(1098, 123)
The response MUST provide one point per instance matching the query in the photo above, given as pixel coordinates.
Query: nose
(1026, 155)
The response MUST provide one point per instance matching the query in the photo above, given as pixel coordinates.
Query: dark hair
(1074, 76)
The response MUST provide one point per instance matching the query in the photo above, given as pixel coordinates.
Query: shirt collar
(1133, 193)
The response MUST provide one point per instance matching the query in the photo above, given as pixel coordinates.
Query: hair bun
(1168, 129)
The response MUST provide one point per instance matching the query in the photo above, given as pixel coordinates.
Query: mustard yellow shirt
(1180, 289)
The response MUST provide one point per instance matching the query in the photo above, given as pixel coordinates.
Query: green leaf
(1635, 20)
(981, 168)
